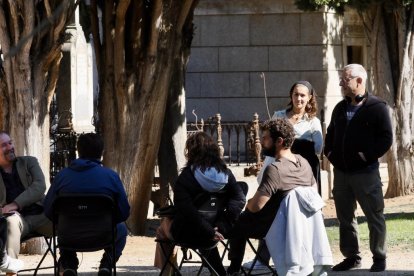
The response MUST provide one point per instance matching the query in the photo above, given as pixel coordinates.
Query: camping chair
(187, 250)
(269, 269)
(50, 249)
(85, 223)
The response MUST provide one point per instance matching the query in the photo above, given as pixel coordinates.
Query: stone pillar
(76, 85)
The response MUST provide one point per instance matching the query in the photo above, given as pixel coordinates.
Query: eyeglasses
(346, 80)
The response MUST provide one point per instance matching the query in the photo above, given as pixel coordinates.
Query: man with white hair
(359, 133)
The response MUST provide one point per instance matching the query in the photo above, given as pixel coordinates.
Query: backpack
(209, 205)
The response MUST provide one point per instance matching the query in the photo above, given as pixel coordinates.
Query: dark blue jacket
(369, 132)
(88, 176)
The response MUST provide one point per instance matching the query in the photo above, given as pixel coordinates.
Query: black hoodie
(369, 132)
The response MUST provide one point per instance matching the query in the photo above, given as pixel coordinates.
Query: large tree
(141, 48)
(31, 36)
(389, 27)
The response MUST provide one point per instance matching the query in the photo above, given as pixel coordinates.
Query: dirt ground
(137, 258)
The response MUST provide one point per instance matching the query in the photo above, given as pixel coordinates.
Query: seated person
(87, 175)
(22, 188)
(287, 172)
(205, 172)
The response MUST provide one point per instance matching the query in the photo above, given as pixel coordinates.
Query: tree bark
(133, 94)
(392, 79)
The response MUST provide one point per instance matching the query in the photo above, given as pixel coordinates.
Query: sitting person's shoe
(347, 264)
(69, 272)
(378, 265)
(257, 266)
(11, 265)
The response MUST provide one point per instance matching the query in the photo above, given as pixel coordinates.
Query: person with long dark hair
(205, 172)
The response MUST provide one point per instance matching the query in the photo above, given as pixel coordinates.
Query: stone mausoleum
(238, 41)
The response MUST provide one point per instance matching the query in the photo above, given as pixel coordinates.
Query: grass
(399, 231)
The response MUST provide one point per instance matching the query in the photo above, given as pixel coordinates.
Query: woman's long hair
(312, 107)
(202, 152)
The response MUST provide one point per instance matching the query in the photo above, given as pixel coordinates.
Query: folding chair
(186, 258)
(270, 269)
(85, 223)
(50, 249)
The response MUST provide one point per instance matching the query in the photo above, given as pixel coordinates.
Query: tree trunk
(30, 35)
(135, 72)
(392, 79)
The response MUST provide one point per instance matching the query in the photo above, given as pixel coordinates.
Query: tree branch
(132, 48)
(61, 24)
(29, 19)
(15, 33)
(119, 45)
(96, 36)
(53, 77)
(5, 47)
(156, 22)
(107, 38)
(183, 15)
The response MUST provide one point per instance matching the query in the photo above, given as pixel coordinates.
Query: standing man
(87, 175)
(22, 188)
(359, 133)
(287, 172)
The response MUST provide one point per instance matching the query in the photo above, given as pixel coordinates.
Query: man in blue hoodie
(87, 175)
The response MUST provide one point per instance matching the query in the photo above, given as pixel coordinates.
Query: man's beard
(269, 151)
(10, 155)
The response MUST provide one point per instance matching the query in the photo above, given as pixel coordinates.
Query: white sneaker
(257, 266)
(11, 265)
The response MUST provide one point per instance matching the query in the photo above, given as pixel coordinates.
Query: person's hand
(10, 208)
(217, 235)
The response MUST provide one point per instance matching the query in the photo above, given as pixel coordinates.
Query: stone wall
(236, 40)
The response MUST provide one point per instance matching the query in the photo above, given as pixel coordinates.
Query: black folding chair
(50, 249)
(269, 269)
(85, 223)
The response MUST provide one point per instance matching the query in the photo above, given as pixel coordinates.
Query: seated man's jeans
(68, 259)
(245, 228)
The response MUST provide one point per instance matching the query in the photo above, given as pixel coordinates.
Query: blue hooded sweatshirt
(88, 176)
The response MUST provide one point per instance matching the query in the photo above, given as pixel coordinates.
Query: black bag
(208, 206)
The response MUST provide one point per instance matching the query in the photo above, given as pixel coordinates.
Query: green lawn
(400, 231)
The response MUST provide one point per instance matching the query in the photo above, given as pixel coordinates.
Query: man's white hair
(357, 70)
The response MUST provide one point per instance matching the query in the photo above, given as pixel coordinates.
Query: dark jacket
(87, 176)
(33, 180)
(188, 225)
(369, 132)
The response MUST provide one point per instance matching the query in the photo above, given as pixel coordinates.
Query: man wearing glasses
(359, 133)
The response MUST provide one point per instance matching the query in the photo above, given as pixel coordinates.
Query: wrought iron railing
(239, 141)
